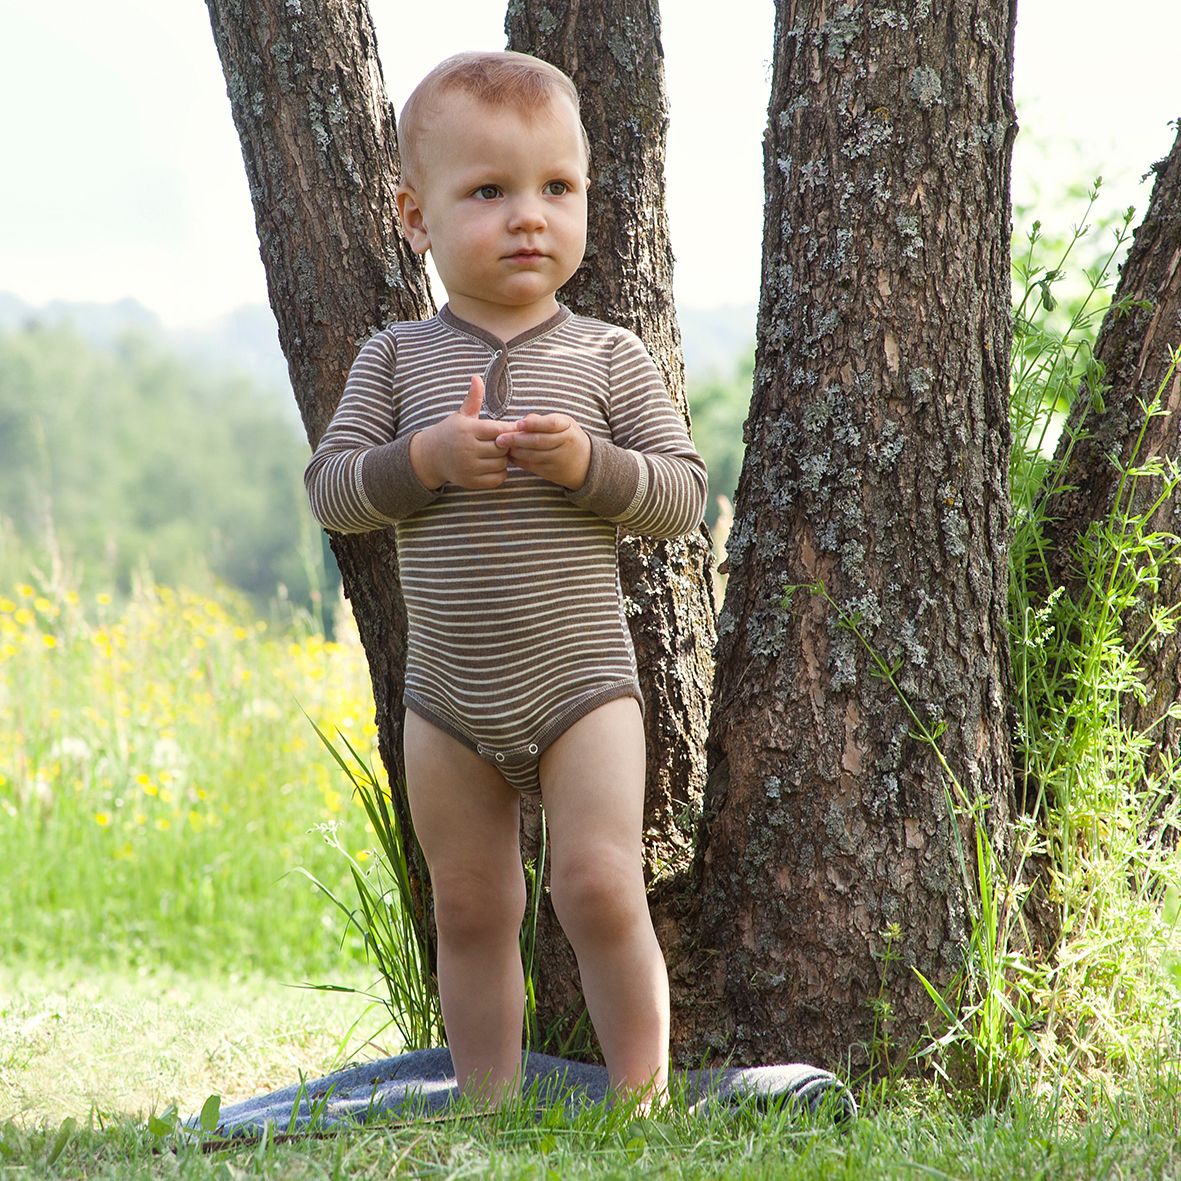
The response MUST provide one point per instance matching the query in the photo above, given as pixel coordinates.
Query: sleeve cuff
(612, 483)
(390, 482)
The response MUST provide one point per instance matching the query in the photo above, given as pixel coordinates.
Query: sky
(122, 174)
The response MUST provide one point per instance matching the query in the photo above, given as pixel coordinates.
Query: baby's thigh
(466, 817)
(592, 787)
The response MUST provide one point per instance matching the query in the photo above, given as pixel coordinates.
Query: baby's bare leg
(467, 820)
(592, 782)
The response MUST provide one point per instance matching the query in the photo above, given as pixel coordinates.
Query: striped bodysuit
(516, 626)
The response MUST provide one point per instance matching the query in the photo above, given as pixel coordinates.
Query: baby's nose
(527, 214)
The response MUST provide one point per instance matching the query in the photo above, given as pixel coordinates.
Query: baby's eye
(557, 188)
(487, 192)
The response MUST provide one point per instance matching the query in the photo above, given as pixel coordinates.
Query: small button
(499, 757)
(533, 748)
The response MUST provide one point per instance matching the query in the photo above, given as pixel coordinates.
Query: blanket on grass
(422, 1083)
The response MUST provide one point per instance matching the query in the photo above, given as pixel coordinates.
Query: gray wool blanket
(422, 1083)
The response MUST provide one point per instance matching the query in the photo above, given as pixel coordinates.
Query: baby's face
(500, 202)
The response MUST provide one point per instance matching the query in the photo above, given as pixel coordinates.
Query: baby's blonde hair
(507, 79)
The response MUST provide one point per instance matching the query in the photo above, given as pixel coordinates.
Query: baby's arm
(364, 475)
(650, 480)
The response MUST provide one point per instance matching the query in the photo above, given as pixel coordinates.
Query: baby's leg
(592, 783)
(467, 820)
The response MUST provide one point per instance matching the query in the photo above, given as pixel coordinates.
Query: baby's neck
(504, 323)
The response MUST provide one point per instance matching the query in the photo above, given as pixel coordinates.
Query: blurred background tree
(127, 455)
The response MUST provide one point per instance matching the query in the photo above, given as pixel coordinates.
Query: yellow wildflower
(25, 590)
(102, 819)
(48, 640)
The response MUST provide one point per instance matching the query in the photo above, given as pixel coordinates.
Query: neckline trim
(448, 317)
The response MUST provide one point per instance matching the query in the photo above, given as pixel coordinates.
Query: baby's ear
(410, 214)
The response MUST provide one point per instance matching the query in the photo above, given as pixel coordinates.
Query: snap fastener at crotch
(512, 756)
(498, 383)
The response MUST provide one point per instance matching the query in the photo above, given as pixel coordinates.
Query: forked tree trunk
(877, 461)
(612, 51)
(319, 144)
(318, 141)
(1138, 333)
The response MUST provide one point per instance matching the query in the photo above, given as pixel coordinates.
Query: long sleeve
(359, 477)
(650, 480)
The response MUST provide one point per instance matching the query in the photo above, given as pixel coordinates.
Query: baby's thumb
(474, 400)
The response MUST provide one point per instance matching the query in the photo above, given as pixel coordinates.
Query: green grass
(915, 1132)
(159, 781)
(1107, 995)
(77, 1041)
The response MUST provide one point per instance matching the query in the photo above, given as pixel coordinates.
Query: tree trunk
(1134, 343)
(318, 140)
(877, 461)
(612, 51)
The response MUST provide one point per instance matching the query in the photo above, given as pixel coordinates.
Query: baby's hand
(552, 446)
(462, 449)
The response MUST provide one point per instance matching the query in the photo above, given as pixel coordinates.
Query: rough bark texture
(318, 140)
(877, 459)
(1134, 348)
(612, 51)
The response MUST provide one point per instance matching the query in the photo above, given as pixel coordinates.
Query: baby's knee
(470, 908)
(598, 897)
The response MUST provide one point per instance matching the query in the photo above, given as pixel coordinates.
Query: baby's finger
(490, 428)
(526, 441)
(470, 407)
(490, 449)
(545, 423)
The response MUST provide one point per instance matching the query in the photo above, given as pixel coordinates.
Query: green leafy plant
(1106, 808)
(384, 910)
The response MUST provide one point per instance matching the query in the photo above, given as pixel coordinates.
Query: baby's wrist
(580, 465)
(422, 460)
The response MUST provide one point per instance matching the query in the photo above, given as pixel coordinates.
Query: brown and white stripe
(516, 624)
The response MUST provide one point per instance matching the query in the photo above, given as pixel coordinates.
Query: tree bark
(1141, 327)
(612, 51)
(877, 461)
(320, 149)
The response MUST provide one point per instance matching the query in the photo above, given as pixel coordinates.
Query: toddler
(507, 439)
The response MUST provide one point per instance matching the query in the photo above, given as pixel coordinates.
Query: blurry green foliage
(116, 457)
(718, 408)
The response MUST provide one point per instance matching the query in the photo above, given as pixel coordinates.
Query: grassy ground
(105, 1050)
(108, 1049)
(77, 1040)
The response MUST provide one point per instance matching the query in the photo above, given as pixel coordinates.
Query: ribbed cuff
(612, 480)
(390, 481)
